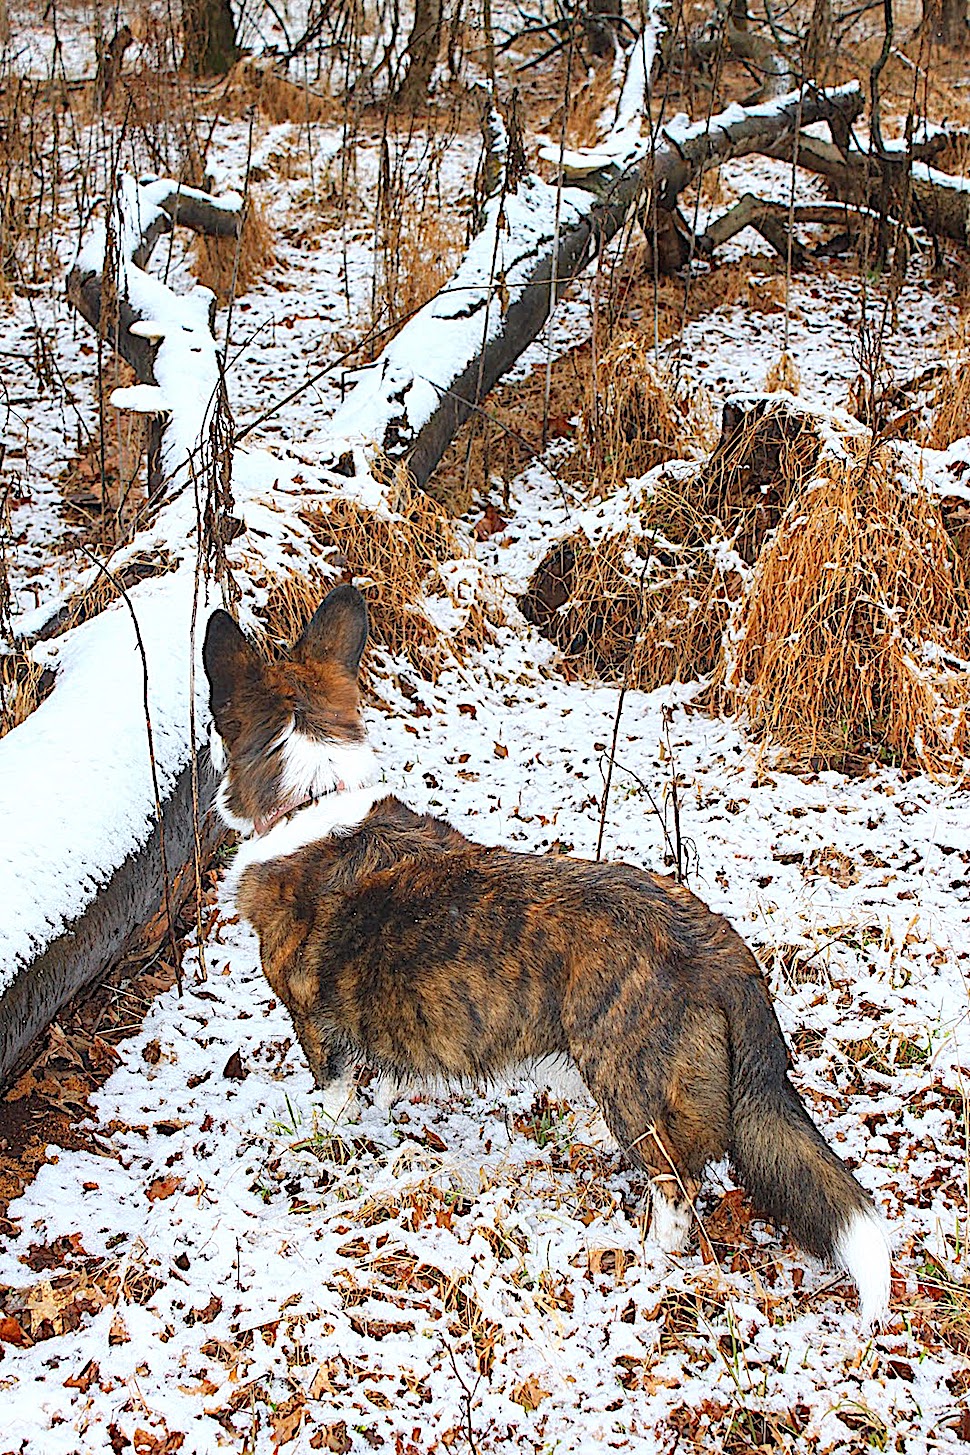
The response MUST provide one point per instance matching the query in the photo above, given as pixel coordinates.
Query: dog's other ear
(337, 630)
(229, 659)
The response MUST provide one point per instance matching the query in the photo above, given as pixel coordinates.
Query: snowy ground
(470, 1269)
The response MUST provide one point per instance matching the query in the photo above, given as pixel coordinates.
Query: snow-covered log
(166, 338)
(411, 401)
(939, 201)
(86, 797)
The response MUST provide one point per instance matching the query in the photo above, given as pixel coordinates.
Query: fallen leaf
(205, 1315)
(162, 1188)
(501, 751)
(332, 1437)
(530, 1393)
(490, 524)
(286, 1420)
(84, 1380)
(234, 1069)
(12, 1333)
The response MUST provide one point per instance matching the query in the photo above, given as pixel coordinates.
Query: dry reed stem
(950, 399)
(419, 250)
(852, 643)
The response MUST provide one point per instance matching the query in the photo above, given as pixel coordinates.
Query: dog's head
(290, 731)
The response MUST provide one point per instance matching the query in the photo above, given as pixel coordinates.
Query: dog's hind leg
(664, 1093)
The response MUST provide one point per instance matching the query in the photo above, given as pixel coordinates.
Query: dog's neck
(329, 788)
(262, 826)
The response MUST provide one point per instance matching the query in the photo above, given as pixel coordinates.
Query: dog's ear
(337, 630)
(229, 660)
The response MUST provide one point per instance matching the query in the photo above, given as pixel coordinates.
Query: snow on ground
(471, 1267)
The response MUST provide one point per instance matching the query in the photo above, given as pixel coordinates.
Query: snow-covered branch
(438, 369)
(166, 337)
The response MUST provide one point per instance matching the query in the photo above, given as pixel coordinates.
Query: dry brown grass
(84, 604)
(230, 266)
(23, 686)
(255, 81)
(850, 643)
(419, 250)
(635, 416)
(783, 375)
(105, 485)
(650, 601)
(950, 397)
(427, 596)
(634, 606)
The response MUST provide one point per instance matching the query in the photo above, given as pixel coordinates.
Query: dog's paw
(337, 1103)
(389, 1089)
(669, 1221)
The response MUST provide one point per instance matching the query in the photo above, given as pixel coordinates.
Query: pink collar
(263, 825)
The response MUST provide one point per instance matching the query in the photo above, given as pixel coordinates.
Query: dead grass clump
(419, 249)
(950, 398)
(105, 589)
(24, 684)
(640, 604)
(492, 447)
(230, 266)
(292, 596)
(633, 418)
(649, 601)
(783, 375)
(256, 81)
(428, 599)
(852, 643)
(105, 485)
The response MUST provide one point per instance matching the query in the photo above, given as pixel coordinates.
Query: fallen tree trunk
(97, 782)
(507, 285)
(937, 200)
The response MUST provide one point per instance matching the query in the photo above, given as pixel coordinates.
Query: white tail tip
(862, 1249)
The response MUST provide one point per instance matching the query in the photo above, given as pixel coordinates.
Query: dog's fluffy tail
(783, 1161)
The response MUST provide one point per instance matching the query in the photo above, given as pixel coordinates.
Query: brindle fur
(405, 944)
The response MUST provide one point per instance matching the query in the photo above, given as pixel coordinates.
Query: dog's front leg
(331, 1067)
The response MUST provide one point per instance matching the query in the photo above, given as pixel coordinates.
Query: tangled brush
(634, 418)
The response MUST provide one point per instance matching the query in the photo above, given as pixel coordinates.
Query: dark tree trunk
(945, 21)
(423, 46)
(601, 26)
(209, 35)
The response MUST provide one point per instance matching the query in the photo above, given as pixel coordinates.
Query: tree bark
(945, 21)
(422, 53)
(209, 37)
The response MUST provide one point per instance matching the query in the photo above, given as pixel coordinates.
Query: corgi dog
(390, 937)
